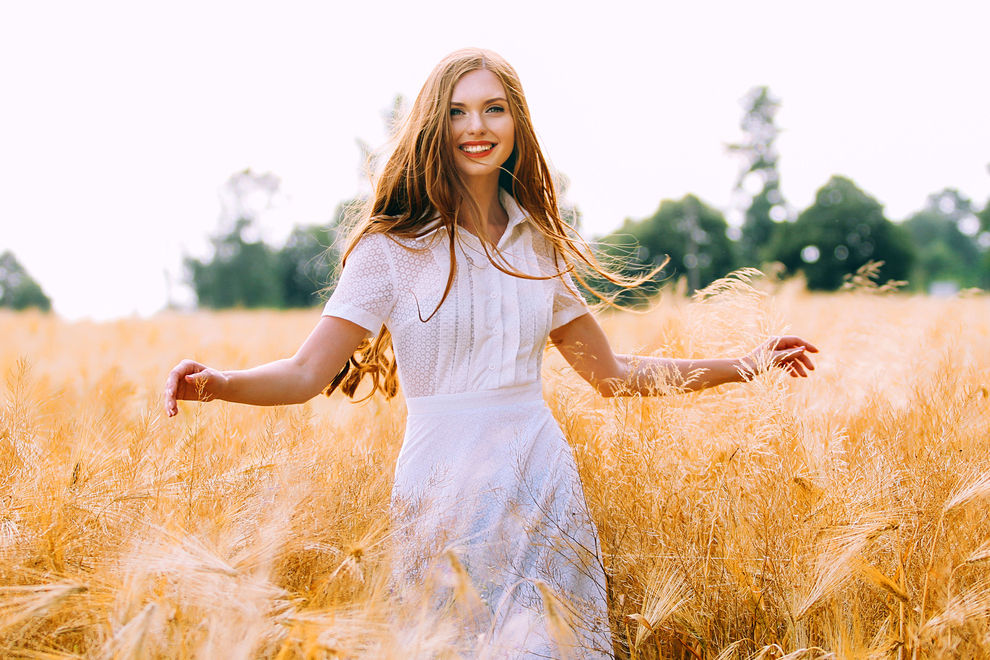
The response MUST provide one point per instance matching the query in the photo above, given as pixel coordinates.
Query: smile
(476, 148)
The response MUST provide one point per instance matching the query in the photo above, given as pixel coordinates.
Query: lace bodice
(491, 330)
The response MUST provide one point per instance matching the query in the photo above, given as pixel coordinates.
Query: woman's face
(481, 127)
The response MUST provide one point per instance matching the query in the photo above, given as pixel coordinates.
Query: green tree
(944, 236)
(759, 176)
(243, 271)
(308, 264)
(841, 231)
(984, 217)
(688, 231)
(983, 241)
(18, 290)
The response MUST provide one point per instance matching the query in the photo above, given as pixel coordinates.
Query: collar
(515, 213)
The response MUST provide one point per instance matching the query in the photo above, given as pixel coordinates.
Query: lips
(476, 149)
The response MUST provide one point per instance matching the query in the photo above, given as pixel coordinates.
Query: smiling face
(481, 127)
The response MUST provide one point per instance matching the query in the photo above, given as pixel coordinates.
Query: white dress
(485, 484)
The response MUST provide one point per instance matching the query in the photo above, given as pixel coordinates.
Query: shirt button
(492, 367)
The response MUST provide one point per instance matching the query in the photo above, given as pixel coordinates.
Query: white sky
(119, 121)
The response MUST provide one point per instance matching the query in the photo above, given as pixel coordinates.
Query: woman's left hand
(787, 352)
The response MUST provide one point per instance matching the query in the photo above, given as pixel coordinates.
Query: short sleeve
(567, 301)
(365, 293)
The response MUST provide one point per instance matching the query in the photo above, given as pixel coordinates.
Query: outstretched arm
(585, 346)
(290, 380)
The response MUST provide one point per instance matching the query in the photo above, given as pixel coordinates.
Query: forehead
(480, 84)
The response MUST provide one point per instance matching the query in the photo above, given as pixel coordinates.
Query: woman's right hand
(192, 381)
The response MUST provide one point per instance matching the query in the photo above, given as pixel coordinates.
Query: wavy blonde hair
(421, 186)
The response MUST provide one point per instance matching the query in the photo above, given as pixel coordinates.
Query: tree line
(943, 247)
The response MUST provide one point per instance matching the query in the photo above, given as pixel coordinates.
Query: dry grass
(841, 516)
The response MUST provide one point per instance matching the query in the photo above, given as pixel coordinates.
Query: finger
(171, 384)
(795, 361)
(793, 368)
(793, 341)
(805, 361)
(172, 381)
(198, 380)
(186, 366)
(788, 355)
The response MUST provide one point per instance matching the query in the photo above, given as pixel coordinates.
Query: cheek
(508, 134)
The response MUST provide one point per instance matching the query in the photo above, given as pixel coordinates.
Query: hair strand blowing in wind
(420, 190)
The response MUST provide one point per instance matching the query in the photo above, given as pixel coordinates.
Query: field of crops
(843, 515)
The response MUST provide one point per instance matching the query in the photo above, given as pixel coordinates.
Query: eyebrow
(497, 98)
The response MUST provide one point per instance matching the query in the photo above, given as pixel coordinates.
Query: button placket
(492, 311)
(492, 308)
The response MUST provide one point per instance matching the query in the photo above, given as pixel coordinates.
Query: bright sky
(119, 121)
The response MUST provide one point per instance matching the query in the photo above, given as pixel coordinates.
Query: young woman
(461, 264)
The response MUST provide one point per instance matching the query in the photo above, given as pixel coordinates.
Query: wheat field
(843, 515)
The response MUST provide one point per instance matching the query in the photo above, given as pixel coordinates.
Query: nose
(476, 123)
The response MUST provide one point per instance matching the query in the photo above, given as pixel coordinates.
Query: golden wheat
(838, 516)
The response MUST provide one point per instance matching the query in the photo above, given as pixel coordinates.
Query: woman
(461, 263)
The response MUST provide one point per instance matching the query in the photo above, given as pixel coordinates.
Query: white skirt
(491, 520)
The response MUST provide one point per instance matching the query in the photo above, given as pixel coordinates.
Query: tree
(759, 177)
(944, 235)
(688, 231)
(18, 290)
(841, 231)
(243, 271)
(307, 265)
(984, 218)
(983, 241)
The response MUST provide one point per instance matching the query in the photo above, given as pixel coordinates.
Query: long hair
(421, 186)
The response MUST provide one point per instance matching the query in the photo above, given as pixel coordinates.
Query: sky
(120, 121)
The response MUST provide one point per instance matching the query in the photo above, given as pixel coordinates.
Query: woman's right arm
(290, 380)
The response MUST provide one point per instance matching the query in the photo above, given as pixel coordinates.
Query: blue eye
(495, 108)
(456, 111)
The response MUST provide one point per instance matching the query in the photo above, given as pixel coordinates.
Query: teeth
(476, 149)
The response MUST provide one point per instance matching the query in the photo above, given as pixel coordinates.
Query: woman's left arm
(585, 346)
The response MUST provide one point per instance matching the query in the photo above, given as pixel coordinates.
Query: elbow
(306, 384)
(303, 397)
(611, 381)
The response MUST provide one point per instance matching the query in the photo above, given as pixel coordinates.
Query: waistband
(459, 401)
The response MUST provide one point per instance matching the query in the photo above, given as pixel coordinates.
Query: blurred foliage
(307, 265)
(947, 243)
(246, 272)
(844, 229)
(944, 246)
(944, 234)
(686, 237)
(18, 290)
(983, 240)
(759, 173)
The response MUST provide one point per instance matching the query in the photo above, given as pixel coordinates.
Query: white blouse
(492, 329)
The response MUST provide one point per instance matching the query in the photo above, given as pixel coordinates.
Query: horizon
(128, 121)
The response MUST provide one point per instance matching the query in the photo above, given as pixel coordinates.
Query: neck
(493, 218)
